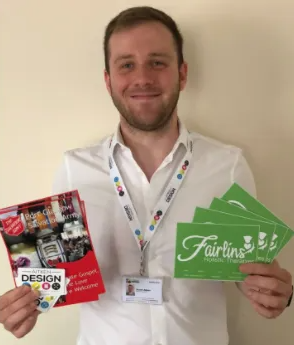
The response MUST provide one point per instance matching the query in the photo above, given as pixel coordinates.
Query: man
(122, 180)
(130, 290)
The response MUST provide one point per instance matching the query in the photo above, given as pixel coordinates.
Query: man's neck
(149, 149)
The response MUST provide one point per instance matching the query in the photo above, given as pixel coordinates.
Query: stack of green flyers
(235, 229)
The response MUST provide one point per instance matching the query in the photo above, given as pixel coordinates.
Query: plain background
(240, 91)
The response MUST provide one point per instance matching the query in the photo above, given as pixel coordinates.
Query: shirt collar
(117, 139)
(183, 136)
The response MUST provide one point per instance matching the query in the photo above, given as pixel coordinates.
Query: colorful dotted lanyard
(162, 206)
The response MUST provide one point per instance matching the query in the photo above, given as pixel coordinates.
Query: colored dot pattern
(119, 188)
(44, 305)
(55, 286)
(46, 286)
(36, 286)
(139, 236)
(48, 298)
(155, 220)
(182, 170)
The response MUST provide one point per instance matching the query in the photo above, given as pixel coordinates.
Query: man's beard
(164, 113)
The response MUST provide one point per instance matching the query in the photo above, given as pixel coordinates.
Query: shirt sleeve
(242, 174)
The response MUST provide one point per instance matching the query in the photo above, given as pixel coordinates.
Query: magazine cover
(52, 233)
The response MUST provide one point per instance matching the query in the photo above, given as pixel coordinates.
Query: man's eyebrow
(164, 55)
(123, 57)
(129, 56)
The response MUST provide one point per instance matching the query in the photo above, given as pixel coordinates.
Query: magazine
(51, 234)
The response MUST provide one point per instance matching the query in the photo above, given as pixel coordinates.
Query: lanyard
(161, 207)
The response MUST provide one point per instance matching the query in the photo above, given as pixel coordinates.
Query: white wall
(240, 90)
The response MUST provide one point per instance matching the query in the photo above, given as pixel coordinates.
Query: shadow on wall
(240, 90)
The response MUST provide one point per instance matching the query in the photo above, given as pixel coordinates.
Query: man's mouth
(145, 96)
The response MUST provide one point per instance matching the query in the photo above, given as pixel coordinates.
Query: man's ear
(107, 81)
(183, 75)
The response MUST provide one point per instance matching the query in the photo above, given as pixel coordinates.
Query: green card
(278, 236)
(213, 251)
(265, 235)
(237, 196)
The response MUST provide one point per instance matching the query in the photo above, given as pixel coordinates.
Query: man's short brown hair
(137, 15)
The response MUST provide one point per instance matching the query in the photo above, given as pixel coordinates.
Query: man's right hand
(18, 310)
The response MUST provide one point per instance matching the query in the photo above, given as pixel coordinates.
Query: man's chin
(147, 126)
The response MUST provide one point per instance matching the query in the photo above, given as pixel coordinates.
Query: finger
(268, 313)
(268, 301)
(269, 283)
(19, 316)
(269, 270)
(256, 288)
(26, 326)
(18, 304)
(13, 295)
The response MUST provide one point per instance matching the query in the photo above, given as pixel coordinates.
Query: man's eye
(127, 65)
(158, 64)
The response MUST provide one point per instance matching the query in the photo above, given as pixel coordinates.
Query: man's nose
(143, 76)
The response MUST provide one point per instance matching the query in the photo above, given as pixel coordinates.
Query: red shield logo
(13, 226)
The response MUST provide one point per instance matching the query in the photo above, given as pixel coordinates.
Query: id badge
(142, 290)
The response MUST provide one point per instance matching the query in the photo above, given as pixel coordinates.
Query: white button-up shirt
(193, 311)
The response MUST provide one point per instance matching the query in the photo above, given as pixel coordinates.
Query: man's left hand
(268, 287)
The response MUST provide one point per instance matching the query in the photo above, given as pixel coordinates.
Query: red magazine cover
(52, 233)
